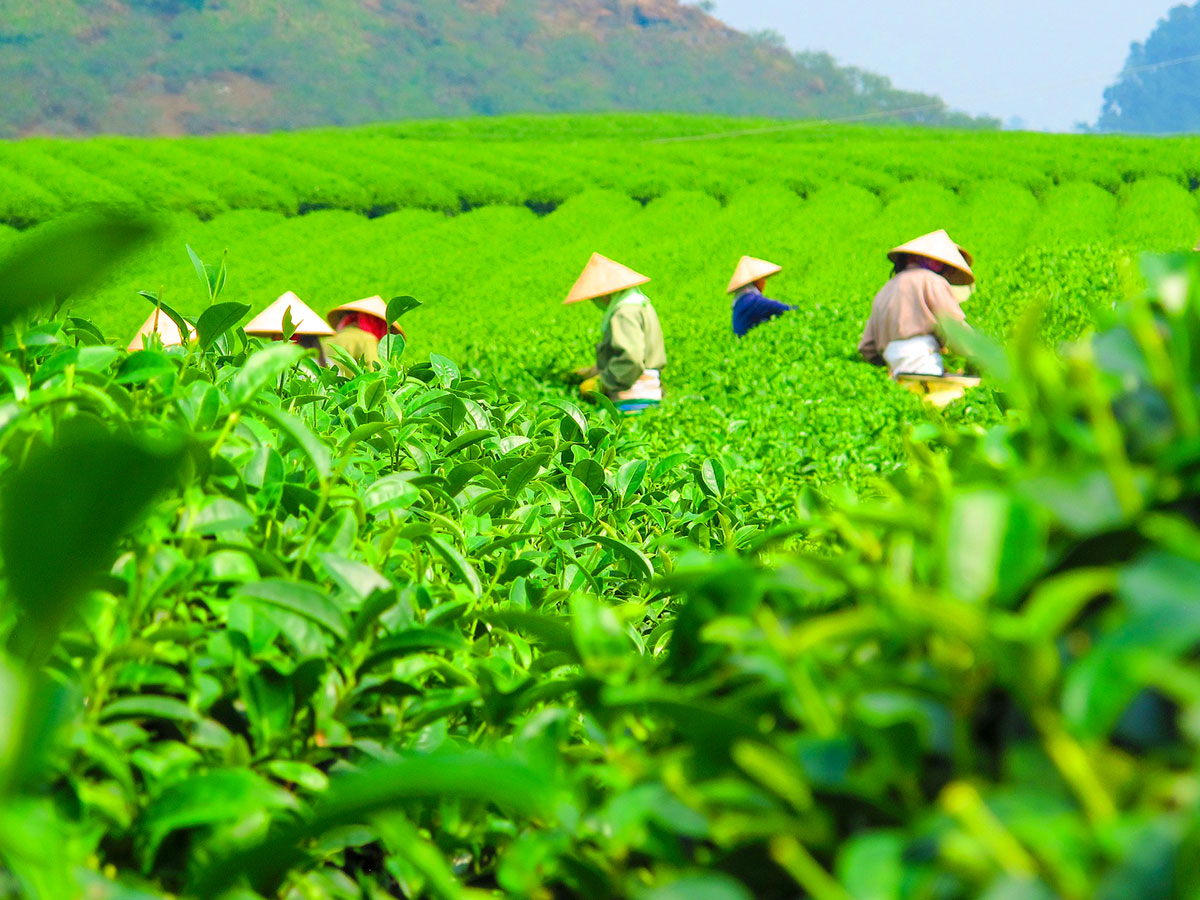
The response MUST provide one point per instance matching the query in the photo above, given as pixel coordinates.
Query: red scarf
(372, 325)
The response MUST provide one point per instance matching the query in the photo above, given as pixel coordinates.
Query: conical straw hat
(372, 306)
(269, 322)
(161, 324)
(602, 277)
(750, 270)
(939, 246)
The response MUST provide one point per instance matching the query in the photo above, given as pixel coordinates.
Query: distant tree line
(1159, 91)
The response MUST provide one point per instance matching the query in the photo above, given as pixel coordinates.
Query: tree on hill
(82, 67)
(1159, 91)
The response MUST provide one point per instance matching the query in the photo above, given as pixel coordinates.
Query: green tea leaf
(524, 472)
(398, 306)
(415, 640)
(591, 474)
(871, 866)
(995, 542)
(207, 276)
(629, 478)
(212, 798)
(217, 320)
(144, 366)
(218, 515)
(638, 561)
(389, 493)
(701, 886)
(315, 450)
(392, 347)
(573, 413)
(263, 368)
(371, 393)
(149, 707)
(458, 563)
(308, 777)
(171, 313)
(582, 496)
(712, 477)
(288, 325)
(302, 600)
(468, 439)
(84, 327)
(447, 371)
(355, 577)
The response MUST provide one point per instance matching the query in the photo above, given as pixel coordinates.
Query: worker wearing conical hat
(750, 307)
(905, 329)
(631, 353)
(360, 326)
(309, 326)
(164, 327)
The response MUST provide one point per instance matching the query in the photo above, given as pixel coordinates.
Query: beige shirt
(910, 305)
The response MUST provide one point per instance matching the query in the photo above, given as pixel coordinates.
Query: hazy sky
(1045, 61)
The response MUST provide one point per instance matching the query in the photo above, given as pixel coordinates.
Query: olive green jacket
(359, 344)
(632, 343)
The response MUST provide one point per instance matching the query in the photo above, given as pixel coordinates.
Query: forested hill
(78, 67)
(1156, 94)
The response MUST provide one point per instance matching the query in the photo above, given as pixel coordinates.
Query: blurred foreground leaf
(204, 800)
(62, 514)
(61, 259)
(354, 799)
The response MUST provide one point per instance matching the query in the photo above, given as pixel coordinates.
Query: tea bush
(271, 631)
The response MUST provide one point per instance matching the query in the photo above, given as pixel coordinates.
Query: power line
(1166, 64)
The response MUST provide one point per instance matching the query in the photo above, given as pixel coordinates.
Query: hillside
(169, 67)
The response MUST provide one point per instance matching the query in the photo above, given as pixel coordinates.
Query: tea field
(533, 197)
(439, 630)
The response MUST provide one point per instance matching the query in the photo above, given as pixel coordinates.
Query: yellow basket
(939, 391)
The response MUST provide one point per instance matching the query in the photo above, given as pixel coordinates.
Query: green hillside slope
(450, 166)
(200, 66)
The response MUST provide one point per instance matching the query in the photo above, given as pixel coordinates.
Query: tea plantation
(440, 630)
